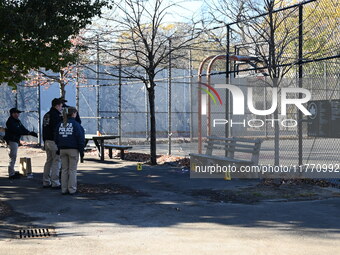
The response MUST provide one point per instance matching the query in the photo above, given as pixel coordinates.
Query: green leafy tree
(39, 33)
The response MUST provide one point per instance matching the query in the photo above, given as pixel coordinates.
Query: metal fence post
(300, 80)
(190, 97)
(120, 97)
(39, 113)
(77, 87)
(325, 78)
(97, 83)
(169, 101)
(265, 107)
(227, 81)
(147, 114)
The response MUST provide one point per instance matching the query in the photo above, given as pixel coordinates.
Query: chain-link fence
(123, 109)
(316, 150)
(113, 105)
(302, 53)
(25, 98)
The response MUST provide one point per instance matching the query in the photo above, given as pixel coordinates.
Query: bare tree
(137, 36)
(65, 75)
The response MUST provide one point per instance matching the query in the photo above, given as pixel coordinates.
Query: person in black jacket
(52, 165)
(14, 131)
(70, 139)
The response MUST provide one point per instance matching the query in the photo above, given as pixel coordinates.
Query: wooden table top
(100, 137)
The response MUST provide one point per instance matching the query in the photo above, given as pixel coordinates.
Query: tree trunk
(151, 91)
(62, 85)
(62, 89)
(276, 130)
(274, 70)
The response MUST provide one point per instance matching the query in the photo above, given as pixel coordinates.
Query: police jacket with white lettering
(14, 130)
(50, 122)
(70, 136)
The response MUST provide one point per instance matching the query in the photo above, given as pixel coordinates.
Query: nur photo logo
(240, 101)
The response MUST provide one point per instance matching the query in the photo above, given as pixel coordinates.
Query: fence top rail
(273, 11)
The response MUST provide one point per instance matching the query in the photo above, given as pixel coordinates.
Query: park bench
(237, 152)
(117, 147)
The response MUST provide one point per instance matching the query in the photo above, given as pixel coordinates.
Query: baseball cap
(14, 110)
(56, 101)
(63, 100)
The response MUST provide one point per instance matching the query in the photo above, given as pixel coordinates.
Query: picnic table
(99, 142)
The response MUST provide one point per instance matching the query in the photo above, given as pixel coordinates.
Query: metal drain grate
(36, 233)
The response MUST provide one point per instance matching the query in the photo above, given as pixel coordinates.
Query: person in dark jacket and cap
(52, 166)
(13, 133)
(70, 139)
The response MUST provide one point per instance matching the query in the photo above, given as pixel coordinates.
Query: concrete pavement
(158, 215)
